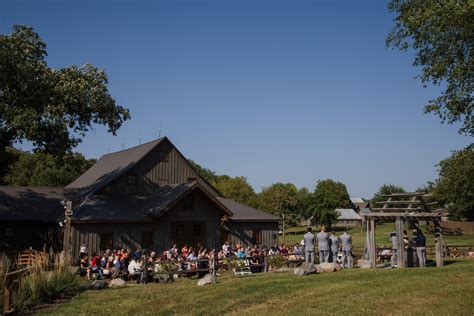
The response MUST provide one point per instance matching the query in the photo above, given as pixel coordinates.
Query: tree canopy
(206, 173)
(385, 190)
(442, 35)
(328, 195)
(42, 169)
(280, 199)
(455, 185)
(51, 108)
(236, 188)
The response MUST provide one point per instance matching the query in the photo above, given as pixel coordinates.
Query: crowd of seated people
(141, 265)
(253, 255)
(291, 253)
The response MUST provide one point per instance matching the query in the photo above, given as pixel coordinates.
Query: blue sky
(277, 91)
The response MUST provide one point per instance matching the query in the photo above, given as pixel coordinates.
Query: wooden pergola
(399, 208)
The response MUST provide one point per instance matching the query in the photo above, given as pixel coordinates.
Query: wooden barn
(147, 197)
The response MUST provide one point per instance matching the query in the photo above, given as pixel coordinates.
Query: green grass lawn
(295, 235)
(431, 291)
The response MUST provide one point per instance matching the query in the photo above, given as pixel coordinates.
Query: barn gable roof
(100, 208)
(244, 212)
(32, 203)
(113, 165)
(43, 203)
(347, 214)
(167, 196)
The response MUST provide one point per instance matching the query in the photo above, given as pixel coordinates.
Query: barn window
(106, 241)
(163, 156)
(180, 230)
(191, 179)
(188, 202)
(131, 179)
(196, 229)
(256, 236)
(147, 240)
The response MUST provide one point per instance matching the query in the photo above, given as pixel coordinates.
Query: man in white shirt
(135, 270)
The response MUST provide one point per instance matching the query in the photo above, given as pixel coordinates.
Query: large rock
(98, 284)
(364, 264)
(164, 278)
(207, 279)
(117, 283)
(305, 269)
(326, 267)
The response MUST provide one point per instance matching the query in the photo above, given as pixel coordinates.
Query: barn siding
(126, 236)
(162, 166)
(241, 232)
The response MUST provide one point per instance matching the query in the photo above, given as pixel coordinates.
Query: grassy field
(295, 235)
(431, 291)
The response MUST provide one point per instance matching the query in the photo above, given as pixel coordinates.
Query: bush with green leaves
(276, 261)
(237, 264)
(40, 287)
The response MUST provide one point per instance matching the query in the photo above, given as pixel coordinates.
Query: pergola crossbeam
(398, 202)
(394, 209)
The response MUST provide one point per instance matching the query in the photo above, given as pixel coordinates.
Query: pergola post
(371, 242)
(438, 244)
(400, 244)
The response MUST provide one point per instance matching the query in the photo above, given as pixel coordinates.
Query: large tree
(442, 35)
(328, 195)
(385, 189)
(235, 188)
(208, 174)
(280, 199)
(455, 185)
(51, 108)
(42, 169)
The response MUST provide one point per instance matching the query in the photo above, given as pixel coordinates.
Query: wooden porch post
(371, 242)
(265, 261)
(438, 244)
(67, 232)
(400, 244)
(214, 265)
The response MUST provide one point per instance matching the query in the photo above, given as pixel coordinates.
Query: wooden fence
(467, 227)
(22, 264)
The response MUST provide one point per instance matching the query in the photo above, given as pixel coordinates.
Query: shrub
(276, 261)
(41, 286)
(236, 264)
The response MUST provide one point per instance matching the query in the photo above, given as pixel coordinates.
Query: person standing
(346, 245)
(420, 245)
(323, 245)
(334, 246)
(309, 246)
(394, 241)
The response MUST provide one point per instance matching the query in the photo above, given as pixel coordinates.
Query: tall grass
(5, 264)
(43, 285)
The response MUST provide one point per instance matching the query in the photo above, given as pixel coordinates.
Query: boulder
(364, 264)
(117, 283)
(305, 269)
(164, 278)
(325, 267)
(207, 279)
(98, 284)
